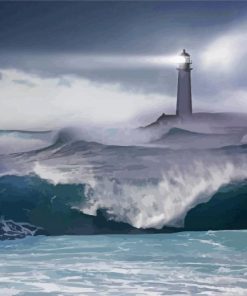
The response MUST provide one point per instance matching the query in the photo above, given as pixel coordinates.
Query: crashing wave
(65, 208)
(149, 204)
(73, 186)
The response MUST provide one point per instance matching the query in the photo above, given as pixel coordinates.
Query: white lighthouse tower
(184, 100)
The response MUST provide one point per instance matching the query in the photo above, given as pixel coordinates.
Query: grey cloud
(64, 82)
(36, 44)
(24, 82)
(151, 80)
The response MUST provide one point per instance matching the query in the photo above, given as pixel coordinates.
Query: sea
(156, 211)
(187, 263)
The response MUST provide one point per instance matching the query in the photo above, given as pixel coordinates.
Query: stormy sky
(65, 62)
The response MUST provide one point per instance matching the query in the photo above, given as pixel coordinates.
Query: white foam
(65, 174)
(9, 291)
(13, 229)
(166, 203)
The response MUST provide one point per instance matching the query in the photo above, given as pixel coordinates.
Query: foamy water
(146, 187)
(200, 263)
(52, 191)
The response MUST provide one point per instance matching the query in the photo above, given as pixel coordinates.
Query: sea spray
(146, 204)
(79, 187)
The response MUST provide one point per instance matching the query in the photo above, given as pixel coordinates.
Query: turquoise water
(187, 263)
(77, 187)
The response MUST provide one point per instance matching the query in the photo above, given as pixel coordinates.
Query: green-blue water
(189, 181)
(188, 263)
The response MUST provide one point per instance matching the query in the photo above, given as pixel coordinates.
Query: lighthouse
(184, 100)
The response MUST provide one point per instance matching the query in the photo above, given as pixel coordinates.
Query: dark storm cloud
(33, 34)
(121, 27)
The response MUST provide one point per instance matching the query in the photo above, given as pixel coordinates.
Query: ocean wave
(177, 138)
(78, 138)
(74, 209)
(85, 187)
(153, 204)
(14, 141)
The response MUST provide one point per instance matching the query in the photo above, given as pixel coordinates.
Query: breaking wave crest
(77, 187)
(148, 204)
(113, 207)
